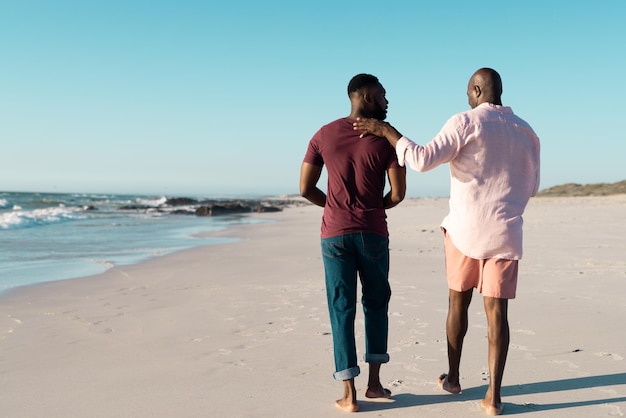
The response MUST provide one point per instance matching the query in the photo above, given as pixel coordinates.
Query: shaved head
(485, 86)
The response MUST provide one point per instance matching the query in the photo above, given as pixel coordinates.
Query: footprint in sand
(524, 331)
(408, 342)
(519, 347)
(529, 356)
(396, 383)
(9, 332)
(612, 356)
(200, 339)
(413, 368)
(569, 364)
(614, 410)
(417, 359)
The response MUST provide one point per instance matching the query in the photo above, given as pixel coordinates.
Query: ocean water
(49, 236)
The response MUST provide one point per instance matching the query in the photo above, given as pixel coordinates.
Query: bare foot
(492, 409)
(447, 386)
(377, 392)
(347, 405)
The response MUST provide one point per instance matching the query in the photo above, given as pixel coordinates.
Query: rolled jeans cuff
(346, 374)
(376, 358)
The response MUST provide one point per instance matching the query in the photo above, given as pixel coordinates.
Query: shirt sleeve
(401, 146)
(538, 170)
(313, 154)
(440, 150)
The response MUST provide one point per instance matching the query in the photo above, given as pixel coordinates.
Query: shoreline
(51, 237)
(241, 329)
(226, 233)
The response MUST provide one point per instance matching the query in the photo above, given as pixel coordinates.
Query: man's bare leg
(456, 328)
(348, 402)
(375, 389)
(498, 334)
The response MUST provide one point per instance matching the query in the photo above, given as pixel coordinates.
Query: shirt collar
(495, 107)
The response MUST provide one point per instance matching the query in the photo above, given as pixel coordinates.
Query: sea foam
(19, 218)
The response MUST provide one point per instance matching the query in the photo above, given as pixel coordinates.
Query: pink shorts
(493, 277)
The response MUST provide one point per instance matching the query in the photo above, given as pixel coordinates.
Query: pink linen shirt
(494, 170)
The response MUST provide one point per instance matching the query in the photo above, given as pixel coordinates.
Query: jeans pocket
(375, 247)
(333, 247)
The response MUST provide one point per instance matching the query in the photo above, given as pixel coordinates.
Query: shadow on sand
(406, 400)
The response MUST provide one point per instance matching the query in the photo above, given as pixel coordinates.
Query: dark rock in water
(264, 209)
(182, 212)
(135, 207)
(232, 208)
(89, 208)
(214, 207)
(203, 211)
(223, 209)
(181, 201)
(175, 201)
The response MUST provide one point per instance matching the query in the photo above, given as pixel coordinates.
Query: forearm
(309, 176)
(391, 199)
(397, 189)
(396, 194)
(315, 196)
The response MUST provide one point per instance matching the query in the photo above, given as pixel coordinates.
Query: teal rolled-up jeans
(346, 257)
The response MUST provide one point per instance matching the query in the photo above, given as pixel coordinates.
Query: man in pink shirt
(354, 236)
(494, 170)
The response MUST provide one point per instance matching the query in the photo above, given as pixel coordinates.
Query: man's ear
(367, 97)
(477, 90)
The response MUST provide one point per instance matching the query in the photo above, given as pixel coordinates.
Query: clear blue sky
(212, 97)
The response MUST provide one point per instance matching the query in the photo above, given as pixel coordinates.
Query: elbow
(394, 198)
(399, 193)
(398, 196)
(419, 166)
(305, 191)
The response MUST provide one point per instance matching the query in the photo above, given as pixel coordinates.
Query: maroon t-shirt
(357, 170)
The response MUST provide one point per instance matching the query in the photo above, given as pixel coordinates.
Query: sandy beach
(242, 329)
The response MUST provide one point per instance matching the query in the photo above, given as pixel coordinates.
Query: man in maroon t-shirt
(354, 235)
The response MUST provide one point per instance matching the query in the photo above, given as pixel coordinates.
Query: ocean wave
(19, 218)
(4, 203)
(151, 202)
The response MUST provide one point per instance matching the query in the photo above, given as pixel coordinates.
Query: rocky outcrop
(136, 207)
(213, 207)
(223, 209)
(238, 207)
(181, 201)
